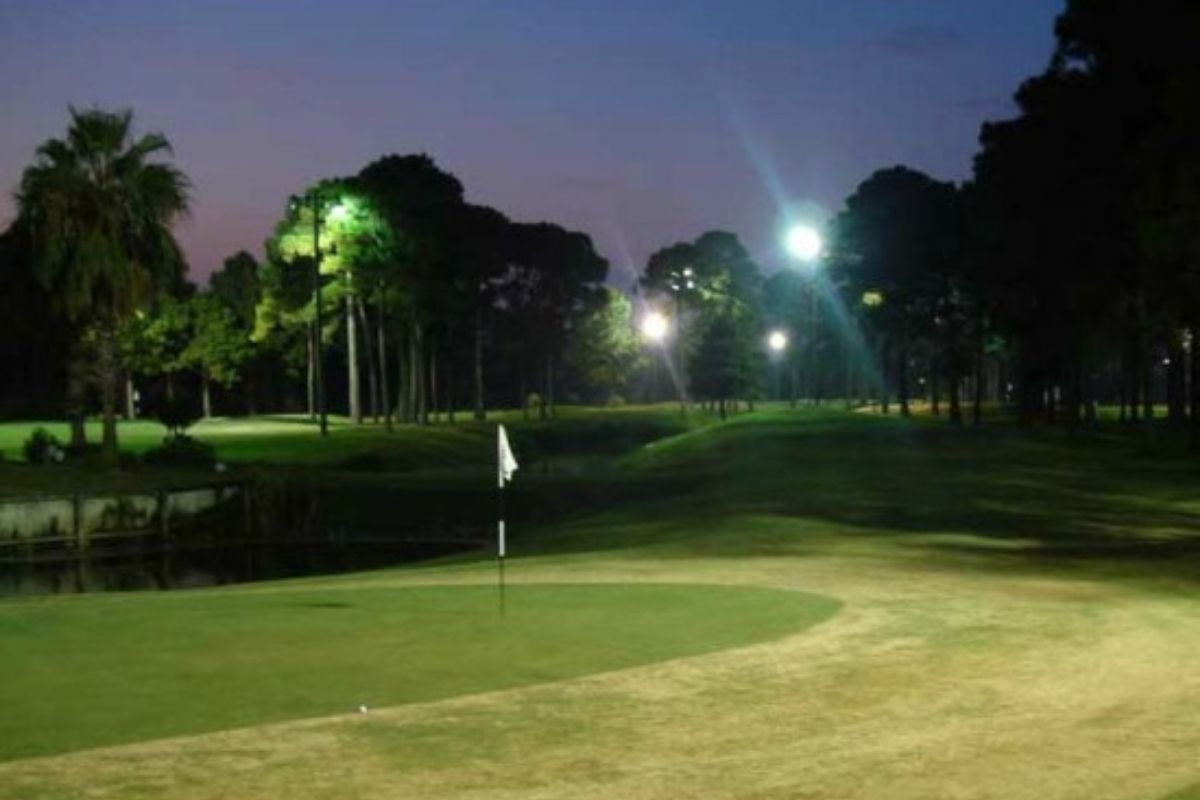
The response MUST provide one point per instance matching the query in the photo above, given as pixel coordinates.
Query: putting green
(82, 672)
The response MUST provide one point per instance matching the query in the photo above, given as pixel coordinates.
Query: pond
(149, 564)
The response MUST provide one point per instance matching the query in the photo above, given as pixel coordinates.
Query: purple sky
(641, 123)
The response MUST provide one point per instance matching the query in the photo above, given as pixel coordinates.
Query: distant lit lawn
(89, 671)
(294, 442)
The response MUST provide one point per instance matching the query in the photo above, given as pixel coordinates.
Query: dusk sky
(641, 123)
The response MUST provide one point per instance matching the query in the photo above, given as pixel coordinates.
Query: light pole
(777, 341)
(805, 245)
(654, 328)
(316, 201)
(681, 280)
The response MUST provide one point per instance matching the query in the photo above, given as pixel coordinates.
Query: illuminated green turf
(89, 671)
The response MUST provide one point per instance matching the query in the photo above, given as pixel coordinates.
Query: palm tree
(100, 212)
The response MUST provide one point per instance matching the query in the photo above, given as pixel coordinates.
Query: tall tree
(99, 209)
(238, 286)
(419, 203)
(479, 259)
(220, 345)
(698, 279)
(901, 227)
(555, 274)
(604, 351)
(727, 359)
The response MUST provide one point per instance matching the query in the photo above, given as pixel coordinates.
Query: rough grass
(1019, 621)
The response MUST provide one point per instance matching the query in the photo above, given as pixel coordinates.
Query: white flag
(506, 462)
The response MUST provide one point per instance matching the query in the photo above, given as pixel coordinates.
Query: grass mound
(102, 670)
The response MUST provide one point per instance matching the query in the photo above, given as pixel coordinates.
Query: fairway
(93, 671)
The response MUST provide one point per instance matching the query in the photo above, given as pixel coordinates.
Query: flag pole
(500, 543)
(506, 464)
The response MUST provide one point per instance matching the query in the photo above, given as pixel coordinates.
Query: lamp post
(654, 328)
(680, 281)
(777, 342)
(805, 245)
(316, 201)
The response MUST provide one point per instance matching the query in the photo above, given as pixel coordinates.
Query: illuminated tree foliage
(99, 209)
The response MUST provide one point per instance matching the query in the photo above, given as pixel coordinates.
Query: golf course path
(932, 682)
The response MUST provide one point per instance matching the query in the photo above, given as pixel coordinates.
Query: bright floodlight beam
(339, 212)
(803, 243)
(654, 326)
(777, 341)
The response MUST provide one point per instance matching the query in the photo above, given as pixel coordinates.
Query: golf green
(83, 672)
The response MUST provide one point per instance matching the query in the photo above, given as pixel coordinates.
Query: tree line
(441, 304)
(1064, 274)
(1061, 276)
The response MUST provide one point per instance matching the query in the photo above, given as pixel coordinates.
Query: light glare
(777, 341)
(803, 242)
(654, 326)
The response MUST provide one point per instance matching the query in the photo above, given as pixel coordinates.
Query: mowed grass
(84, 672)
(1019, 619)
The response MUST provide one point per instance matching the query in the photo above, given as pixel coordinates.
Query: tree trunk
(1089, 396)
(1147, 387)
(902, 373)
(381, 338)
(448, 389)
(521, 397)
(205, 394)
(433, 380)
(417, 375)
(312, 371)
(956, 417)
(251, 387)
(543, 398)
(109, 369)
(977, 399)
(355, 399)
(1176, 382)
(1050, 404)
(849, 383)
(1028, 388)
(1134, 380)
(480, 412)
(403, 375)
(372, 374)
(1071, 399)
(935, 388)
(792, 382)
(721, 406)
(130, 405)
(1122, 394)
(1194, 388)
(76, 396)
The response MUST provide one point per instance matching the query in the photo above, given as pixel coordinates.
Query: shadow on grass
(995, 498)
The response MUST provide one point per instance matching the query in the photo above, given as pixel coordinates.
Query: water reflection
(150, 565)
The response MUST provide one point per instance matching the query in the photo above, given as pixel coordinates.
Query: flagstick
(506, 464)
(500, 542)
